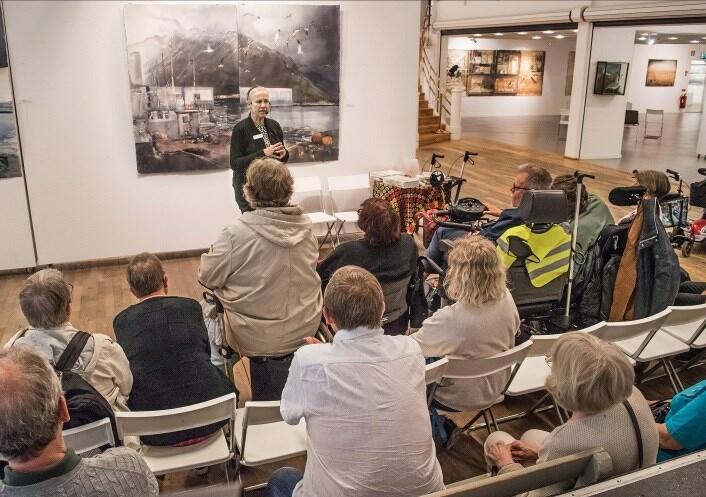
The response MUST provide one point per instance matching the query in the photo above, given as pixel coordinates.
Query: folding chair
(90, 436)
(479, 368)
(533, 372)
(358, 183)
(644, 341)
(688, 324)
(163, 460)
(262, 436)
(654, 124)
(563, 121)
(312, 185)
(433, 374)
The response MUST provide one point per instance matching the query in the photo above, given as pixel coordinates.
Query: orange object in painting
(327, 140)
(316, 137)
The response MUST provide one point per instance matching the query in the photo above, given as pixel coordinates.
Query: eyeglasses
(515, 188)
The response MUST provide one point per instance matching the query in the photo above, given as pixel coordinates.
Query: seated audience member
(594, 380)
(594, 215)
(263, 270)
(32, 413)
(684, 429)
(529, 177)
(363, 399)
(656, 184)
(482, 322)
(166, 342)
(390, 256)
(45, 300)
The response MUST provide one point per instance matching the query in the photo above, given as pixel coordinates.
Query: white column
(456, 104)
(578, 89)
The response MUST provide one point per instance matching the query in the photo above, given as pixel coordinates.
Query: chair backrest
(543, 207)
(434, 372)
(690, 321)
(621, 330)
(632, 118)
(460, 367)
(306, 188)
(350, 191)
(586, 467)
(90, 436)
(136, 423)
(655, 112)
(542, 344)
(258, 413)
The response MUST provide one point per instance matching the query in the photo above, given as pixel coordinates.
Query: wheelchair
(540, 308)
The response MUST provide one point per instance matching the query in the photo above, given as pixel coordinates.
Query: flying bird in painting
(252, 15)
(299, 48)
(276, 39)
(288, 16)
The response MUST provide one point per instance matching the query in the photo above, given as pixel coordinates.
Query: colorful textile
(409, 201)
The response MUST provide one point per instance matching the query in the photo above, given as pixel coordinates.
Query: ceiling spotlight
(477, 35)
(642, 38)
(703, 37)
(559, 37)
(499, 34)
(575, 30)
(548, 32)
(645, 34)
(522, 32)
(536, 37)
(209, 49)
(220, 66)
(694, 41)
(673, 38)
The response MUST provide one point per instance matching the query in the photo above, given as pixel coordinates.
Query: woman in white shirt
(482, 322)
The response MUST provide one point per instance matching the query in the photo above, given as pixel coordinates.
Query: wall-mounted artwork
(569, 74)
(610, 78)
(505, 72)
(10, 162)
(661, 72)
(458, 58)
(189, 64)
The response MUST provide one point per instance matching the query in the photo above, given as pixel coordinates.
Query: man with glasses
(45, 299)
(529, 177)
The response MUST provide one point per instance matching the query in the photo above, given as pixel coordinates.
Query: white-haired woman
(594, 380)
(482, 322)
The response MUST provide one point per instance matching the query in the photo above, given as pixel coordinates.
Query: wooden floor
(101, 292)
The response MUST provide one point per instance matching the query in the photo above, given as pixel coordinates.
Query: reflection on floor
(675, 150)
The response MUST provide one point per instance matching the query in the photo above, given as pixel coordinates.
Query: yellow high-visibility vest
(551, 252)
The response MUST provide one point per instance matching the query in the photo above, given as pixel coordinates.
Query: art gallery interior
(116, 128)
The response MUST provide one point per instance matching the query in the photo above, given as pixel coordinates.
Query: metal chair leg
(488, 426)
(338, 232)
(328, 235)
(672, 375)
(492, 418)
(559, 415)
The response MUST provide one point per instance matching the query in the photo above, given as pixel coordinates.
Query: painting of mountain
(10, 162)
(189, 64)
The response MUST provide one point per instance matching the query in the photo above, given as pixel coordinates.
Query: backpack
(697, 194)
(84, 402)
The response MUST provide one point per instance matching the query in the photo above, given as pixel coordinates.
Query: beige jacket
(474, 332)
(263, 269)
(102, 363)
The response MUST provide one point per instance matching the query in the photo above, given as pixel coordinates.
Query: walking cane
(566, 320)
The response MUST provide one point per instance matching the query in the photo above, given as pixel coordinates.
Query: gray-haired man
(32, 413)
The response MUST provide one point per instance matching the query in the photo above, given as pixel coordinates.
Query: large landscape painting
(190, 66)
(10, 165)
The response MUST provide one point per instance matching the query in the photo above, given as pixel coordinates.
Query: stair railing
(440, 98)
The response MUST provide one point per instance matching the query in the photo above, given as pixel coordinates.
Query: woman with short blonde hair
(594, 380)
(482, 322)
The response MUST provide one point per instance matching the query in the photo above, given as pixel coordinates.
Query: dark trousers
(268, 376)
(283, 481)
(690, 293)
(399, 326)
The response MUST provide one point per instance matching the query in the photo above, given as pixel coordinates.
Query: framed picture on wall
(531, 76)
(569, 74)
(610, 78)
(661, 72)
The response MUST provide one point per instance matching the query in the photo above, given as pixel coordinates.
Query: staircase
(429, 127)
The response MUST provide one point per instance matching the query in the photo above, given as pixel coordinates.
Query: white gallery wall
(553, 96)
(71, 84)
(660, 97)
(604, 115)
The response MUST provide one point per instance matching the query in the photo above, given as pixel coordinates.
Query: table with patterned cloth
(409, 201)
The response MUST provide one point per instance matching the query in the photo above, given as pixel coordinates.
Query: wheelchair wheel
(686, 247)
